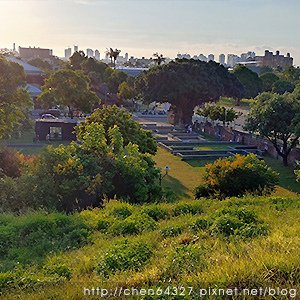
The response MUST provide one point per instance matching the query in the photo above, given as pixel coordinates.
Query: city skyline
(169, 27)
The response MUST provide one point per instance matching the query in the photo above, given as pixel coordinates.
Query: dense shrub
(156, 213)
(186, 259)
(30, 237)
(171, 231)
(10, 162)
(236, 176)
(239, 222)
(200, 224)
(102, 225)
(121, 212)
(134, 224)
(124, 256)
(80, 175)
(187, 208)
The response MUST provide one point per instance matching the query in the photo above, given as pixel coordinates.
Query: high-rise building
(202, 57)
(75, 48)
(210, 57)
(232, 60)
(222, 59)
(126, 56)
(68, 53)
(97, 54)
(89, 53)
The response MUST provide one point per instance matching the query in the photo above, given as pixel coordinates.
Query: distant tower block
(75, 48)
(14, 46)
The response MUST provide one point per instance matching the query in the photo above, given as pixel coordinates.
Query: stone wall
(228, 134)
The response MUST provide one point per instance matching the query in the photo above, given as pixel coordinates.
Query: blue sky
(141, 27)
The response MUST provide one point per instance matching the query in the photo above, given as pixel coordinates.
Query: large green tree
(131, 131)
(68, 88)
(14, 100)
(186, 84)
(268, 79)
(218, 113)
(283, 86)
(277, 118)
(251, 82)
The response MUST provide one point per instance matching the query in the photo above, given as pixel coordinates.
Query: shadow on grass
(175, 186)
(199, 163)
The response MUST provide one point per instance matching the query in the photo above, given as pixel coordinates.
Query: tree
(217, 112)
(68, 88)
(276, 117)
(159, 58)
(125, 91)
(268, 80)
(283, 86)
(39, 63)
(185, 84)
(77, 59)
(14, 100)
(131, 131)
(113, 55)
(251, 82)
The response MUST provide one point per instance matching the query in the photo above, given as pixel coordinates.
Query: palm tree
(113, 55)
(159, 58)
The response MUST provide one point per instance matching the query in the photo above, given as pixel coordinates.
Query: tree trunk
(285, 160)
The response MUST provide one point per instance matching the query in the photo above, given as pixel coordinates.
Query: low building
(275, 60)
(56, 129)
(33, 74)
(33, 52)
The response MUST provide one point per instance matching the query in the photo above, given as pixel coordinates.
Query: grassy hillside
(244, 243)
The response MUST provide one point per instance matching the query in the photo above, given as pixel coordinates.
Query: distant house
(33, 91)
(34, 75)
(58, 129)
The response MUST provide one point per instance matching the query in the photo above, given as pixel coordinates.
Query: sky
(143, 27)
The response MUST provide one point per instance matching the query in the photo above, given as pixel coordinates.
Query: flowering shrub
(236, 176)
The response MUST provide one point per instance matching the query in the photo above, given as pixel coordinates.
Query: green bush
(156, 213)
(103, 225)
(239, 222)
(59, 269)
(186, 259)
(171, 231)
(30, 237)
(134, 224)
(199, 224)
(121, 212)
(237, 176)
(124, 256)
(187, 208)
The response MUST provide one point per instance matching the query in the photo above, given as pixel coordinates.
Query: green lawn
(186, 245)
(214, 147)
(184, 177)
(245, 103)
(287, 176)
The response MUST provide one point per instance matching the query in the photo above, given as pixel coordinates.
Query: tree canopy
(268, 80)
(185, 84)
(283, 86)
(110, 116)
(68, 88)
(14, 100)
(218, 113)
(276, 117)
(251, 82)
